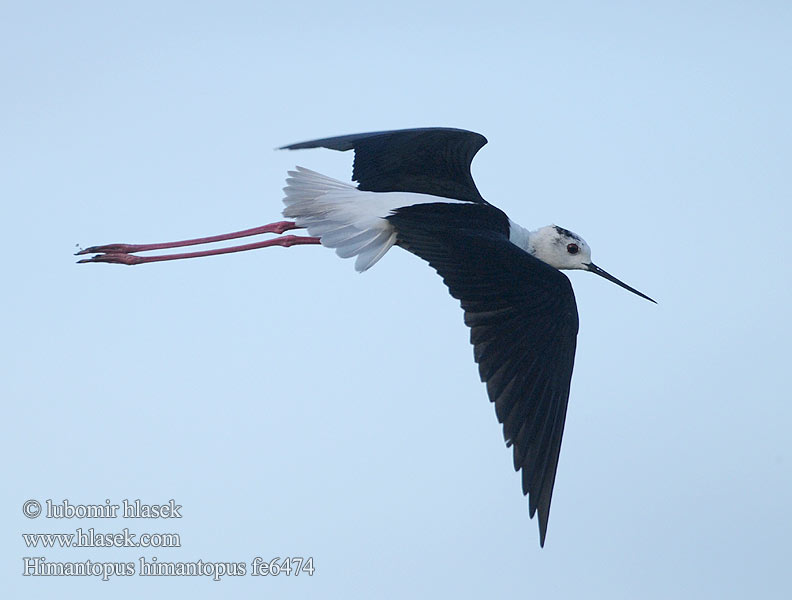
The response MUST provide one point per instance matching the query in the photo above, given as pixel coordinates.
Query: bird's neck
(521, 237)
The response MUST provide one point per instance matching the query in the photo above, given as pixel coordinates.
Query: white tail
(343, 217)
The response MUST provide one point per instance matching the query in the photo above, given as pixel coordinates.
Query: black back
(430, 160)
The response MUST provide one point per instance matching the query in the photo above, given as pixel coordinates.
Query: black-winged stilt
(415, 190)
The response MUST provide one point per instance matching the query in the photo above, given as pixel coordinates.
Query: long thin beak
(603, 273)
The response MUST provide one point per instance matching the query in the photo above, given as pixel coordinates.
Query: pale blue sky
(294, 407)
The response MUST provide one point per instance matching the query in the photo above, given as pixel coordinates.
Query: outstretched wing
(524, 322)
(431, 160)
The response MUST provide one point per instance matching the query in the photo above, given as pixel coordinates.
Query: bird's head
(562, 249)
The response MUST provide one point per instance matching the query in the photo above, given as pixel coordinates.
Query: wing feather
(429, 160)
(523, 321)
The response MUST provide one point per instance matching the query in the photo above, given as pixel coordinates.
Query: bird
(415, 190)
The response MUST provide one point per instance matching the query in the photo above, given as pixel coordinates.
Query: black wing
(431, 160)
(524, 322)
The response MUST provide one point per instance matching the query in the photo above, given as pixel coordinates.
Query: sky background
(296, 408)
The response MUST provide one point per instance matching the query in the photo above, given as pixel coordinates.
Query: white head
(562, 249)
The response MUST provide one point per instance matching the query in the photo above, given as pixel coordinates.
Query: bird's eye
(572, 248)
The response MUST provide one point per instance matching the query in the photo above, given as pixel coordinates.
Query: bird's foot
(118, 258)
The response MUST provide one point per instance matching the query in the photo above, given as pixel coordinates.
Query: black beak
(603, 273)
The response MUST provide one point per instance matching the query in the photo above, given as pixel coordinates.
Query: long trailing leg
(123, 258)
(277, 227)
(122, 253)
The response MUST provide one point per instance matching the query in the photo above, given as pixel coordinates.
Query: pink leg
(122, 258)
(278, 227)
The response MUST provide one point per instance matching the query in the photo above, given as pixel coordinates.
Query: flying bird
(415, 190)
